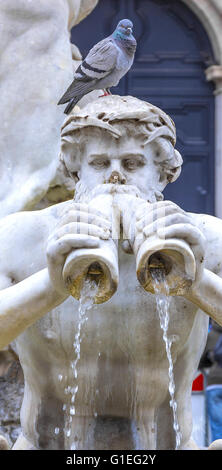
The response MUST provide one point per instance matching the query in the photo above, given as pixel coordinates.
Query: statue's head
(121, 140)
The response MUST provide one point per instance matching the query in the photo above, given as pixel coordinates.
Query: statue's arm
(24, 303)
(204, 235)
(208, 295)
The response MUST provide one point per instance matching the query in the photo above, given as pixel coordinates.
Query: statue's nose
(116, 178)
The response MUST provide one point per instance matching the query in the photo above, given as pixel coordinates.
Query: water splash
(161, 289)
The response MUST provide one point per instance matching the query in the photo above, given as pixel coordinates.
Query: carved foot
(107, 92)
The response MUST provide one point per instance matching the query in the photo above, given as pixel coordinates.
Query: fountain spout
(96, 264)
(160, 262)
(174, 257)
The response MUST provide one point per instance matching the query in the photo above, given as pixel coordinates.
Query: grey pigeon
(104, 66)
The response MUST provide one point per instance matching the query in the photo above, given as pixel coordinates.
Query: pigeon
(105, 64)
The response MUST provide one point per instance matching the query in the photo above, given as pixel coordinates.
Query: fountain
(119, 375)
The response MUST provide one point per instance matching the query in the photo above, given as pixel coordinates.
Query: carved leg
(144, 431)
(165, 432)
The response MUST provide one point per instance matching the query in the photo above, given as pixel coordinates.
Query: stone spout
(98, 264)
(173, 256)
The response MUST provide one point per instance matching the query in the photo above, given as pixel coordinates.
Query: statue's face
(123, 161)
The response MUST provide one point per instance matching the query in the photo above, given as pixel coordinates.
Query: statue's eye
(132, 163)
(100, 163)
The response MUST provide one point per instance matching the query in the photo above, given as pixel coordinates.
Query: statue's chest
(128, 325)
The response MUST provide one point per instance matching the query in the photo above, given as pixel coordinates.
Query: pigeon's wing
(101, 59)
(99, 62)
(78, 87)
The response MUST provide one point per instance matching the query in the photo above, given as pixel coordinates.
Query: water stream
(86, 301)
(161, 289)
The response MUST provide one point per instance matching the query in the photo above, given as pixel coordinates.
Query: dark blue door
(168, 71)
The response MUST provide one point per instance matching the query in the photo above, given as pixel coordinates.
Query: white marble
(120, 151)
(36, 67)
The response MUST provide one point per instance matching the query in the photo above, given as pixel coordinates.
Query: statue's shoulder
(25, 223)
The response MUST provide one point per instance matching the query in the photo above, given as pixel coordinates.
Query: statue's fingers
(163, 222)
(187, 232)
(155, 206)
(68, 242)
(159, 212)
(85, 217)
(83, 228)
(79, 206)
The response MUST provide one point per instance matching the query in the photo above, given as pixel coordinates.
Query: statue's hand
(80, 227)
(167, 220)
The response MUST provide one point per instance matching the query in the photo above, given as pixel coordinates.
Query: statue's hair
(121, 115)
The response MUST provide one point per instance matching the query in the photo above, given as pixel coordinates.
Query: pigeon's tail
(71, 104)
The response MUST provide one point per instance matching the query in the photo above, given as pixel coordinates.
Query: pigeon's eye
(100, 163)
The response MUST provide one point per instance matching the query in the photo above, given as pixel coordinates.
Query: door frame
(209, 14)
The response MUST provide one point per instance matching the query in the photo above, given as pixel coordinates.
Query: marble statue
(37, 61)
(120, 153)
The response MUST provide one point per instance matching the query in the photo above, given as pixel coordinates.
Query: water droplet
(72, 410)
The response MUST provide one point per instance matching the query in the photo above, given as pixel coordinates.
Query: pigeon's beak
(129, 30)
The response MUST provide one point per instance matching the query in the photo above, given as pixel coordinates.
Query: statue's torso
(123, 368)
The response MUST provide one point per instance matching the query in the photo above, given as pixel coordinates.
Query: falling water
(161, 289)
(86, 301)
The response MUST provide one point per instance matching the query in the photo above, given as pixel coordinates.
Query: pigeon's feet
(107, 92)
